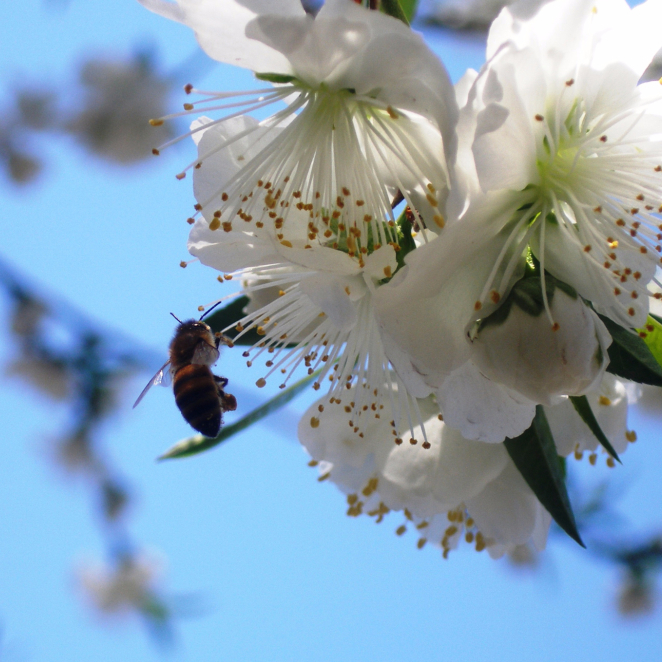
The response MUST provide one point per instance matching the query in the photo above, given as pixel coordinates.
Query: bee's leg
(228, 401)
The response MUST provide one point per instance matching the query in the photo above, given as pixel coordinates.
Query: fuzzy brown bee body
(199, 393)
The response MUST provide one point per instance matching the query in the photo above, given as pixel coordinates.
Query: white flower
(560, 154)
(447, 486)
(360, 124)
(322, 316)
(304, 198)
(557, 117)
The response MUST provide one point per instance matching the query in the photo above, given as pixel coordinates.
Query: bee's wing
(162, 377)
(204, 353)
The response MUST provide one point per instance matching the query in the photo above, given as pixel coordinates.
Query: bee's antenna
(177, 318)
(218, 303)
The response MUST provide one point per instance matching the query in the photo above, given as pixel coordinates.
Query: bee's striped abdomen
(197, 398)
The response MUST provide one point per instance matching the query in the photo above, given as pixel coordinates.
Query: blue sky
(273, 567)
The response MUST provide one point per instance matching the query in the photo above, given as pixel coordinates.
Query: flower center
(330, 162)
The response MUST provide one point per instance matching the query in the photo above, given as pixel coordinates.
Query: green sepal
(526, 294)
(651, 334)
(405, 239)
(630, 357)
(534, 454)
(276, 78)
(583, 408)
(403, 10)
(199, 443)
(228, 316)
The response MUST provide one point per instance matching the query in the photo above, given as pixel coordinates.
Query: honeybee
(199, 393)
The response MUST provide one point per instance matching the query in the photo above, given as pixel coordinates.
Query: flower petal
(481, 409)
(506, 510)
(220, 26)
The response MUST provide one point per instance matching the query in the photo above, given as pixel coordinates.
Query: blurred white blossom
(123, 588)
(120, 99)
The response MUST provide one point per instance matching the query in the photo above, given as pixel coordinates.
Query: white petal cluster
(448, 488)
(533, 195)
(301, 203)
(559, 166)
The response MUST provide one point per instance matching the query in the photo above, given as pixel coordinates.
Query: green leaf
(199, 443)
(275, 78)
(403, 10)
(651, 334)
(226, 317)
(534, 454)
(630, 356)
(583, 408)
(409, 8)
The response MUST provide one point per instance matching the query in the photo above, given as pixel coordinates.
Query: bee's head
(193, 325)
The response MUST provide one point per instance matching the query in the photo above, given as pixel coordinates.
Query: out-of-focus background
(239, 553)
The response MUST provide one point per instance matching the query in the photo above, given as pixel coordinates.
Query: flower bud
(539, 358)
